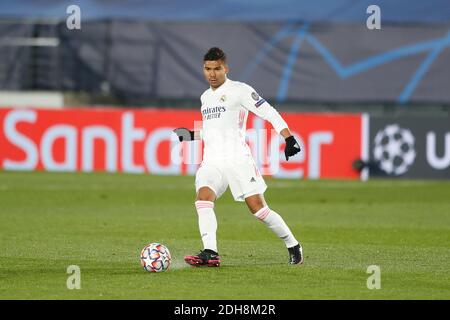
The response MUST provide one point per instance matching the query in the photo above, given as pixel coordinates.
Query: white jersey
(225, 111)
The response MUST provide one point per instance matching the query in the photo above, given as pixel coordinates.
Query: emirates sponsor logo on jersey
(213, 112)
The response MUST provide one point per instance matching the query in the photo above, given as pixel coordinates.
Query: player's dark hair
(215, 54)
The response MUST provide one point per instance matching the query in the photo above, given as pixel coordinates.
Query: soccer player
(227, 160)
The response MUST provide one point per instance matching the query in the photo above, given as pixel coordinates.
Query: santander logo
(142, 141)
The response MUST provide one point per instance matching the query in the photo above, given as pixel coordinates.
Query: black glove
(184, 134)
(292, 147)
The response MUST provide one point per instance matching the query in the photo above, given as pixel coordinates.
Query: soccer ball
(155, 257)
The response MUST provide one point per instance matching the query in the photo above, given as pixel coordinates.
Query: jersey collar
(227, 81)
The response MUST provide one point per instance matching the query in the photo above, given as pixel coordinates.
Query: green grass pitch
(100, 222)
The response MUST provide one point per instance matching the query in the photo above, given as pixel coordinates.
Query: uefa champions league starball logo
(394, 149)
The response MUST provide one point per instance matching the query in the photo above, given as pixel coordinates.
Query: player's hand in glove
(184, 134)
(292, 147)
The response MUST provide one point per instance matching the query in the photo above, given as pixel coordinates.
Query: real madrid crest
(223, 98)
(255, 96)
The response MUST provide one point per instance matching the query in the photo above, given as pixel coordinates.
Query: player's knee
(254, 209)
(255, 203)
(205, 194)
(205, 198)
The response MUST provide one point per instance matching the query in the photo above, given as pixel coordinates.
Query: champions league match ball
(155, 257)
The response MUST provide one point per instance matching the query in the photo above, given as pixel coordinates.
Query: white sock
(207, 224)
(276, 223)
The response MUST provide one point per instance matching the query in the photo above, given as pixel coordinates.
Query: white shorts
(243, 178)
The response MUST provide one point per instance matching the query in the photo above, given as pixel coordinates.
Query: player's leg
(209, 185)
(207, 221)
(258, 206)
(207, 224)
(247, 184)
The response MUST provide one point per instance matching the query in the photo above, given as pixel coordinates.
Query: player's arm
(256, 104)
(185, 134)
